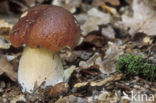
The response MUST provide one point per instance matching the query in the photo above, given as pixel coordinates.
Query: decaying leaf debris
(7, 68)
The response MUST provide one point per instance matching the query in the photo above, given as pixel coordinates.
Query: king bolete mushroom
(45, 30)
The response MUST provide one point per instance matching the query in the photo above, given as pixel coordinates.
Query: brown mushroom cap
(46, 26)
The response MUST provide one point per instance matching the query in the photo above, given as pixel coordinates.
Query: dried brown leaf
(114, 77)
(7, 68)
(4, 45)
(98, 41)
(112, 2)
(59, 89)
(143, 20)
(95, 18)
(78, 85)
(90, 62)
(5, 27)
(107, 66)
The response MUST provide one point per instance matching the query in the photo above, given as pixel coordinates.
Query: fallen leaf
(95, 18)
(77, 85)
(13, 56)
(31, 3)
(70, 5)
(81, 18)
(18, 98)
(109, 97)
(98, 41)
(143, 19)
(109, 9)
(63, 100)
(59, 89)
(72, 99)
(4, 45)
(112, 2)
(7, 68)
(90, 62)
(106, 80)
(85, 55)
(5, 28)
(142, 40)
(107, 66)
(68, 72)
(108, 32)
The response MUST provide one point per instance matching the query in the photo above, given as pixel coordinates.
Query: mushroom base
(39, 66)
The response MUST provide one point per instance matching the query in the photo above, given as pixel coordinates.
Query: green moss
(133, 65)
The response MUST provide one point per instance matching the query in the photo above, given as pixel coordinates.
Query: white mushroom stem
(37, 66)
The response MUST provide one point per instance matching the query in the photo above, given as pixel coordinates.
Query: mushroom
(45, 30)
